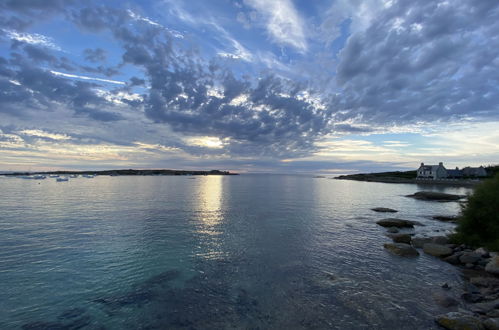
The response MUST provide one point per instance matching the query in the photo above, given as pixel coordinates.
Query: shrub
(478, 224)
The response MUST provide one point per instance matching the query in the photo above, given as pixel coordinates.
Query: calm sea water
(215, 252)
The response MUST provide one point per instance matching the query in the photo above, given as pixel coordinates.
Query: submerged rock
(384, 209)
(459, 321)
(435, 196)
(493, 266)
(400, 238)
(401, 249)
(445, 300)
(394, 222)
(393, 230)
(437, 250)
(445, 218)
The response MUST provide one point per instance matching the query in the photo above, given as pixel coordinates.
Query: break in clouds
(407, 62)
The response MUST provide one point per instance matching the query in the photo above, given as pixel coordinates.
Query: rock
(484, 307)
(401, 249)
(393, 230)
(384, 209)
(485, 281)
(454, 258)
(437, 250)
(445, 286)
(482, 252)
(445, 300)
(471, 297)
(445, 218)
(493, 266)
(401, 238)
(440, 240)
(394, 222)
(459, 321)
(491, 324)
(493, 314)
(435, 196)
(469, 257)
(469, 266)
(418, 242)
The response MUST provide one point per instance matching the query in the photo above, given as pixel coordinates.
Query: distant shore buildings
(439, 172)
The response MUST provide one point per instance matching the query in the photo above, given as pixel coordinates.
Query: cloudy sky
(320, 86)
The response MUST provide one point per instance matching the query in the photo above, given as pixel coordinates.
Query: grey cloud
(94, 55)
(397, 74)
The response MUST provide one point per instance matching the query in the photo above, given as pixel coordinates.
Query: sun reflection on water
(210, 215)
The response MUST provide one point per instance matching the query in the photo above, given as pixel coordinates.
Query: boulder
(420, 241)
(435, 196)
(493, 266)
(453, 259)
(400, 238)
(491, 324)
(483, 252)
(485, 281)
(384, 209)
(394, 222)
(437, 250)
(459, 321)
(401, 249)
(469, 257)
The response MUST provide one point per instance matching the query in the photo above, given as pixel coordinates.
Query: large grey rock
(420, 241)
(435, 196)
(493, 266)
(401, 249)
(437, 250)
(384, 209)
(459, 321)
(491, 324)
(469, 257)
(483, 252)
(394, 222)
(400, 238)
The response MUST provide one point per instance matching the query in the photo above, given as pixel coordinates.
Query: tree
(478, 224)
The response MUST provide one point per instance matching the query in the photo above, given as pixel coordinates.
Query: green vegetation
(395, 175)
(478, 224)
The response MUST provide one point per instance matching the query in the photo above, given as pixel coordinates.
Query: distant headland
(429, 174)
(125, 172)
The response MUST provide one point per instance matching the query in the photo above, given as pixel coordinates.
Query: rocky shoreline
(477, 307)
(389, 179)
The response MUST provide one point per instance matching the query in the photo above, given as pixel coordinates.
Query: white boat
(39, 177)
(88, 176)
(73, 176)
(53, 176)
(62, 179)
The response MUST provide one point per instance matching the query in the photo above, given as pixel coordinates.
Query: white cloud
(33, 38)
(67, 75)
(44, 134)
(283, 22)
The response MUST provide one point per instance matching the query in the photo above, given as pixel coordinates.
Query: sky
(282, 86)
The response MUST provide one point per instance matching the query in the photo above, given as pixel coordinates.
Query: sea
(215, 252)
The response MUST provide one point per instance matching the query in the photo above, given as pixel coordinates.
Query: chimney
(441, 164)
(422, 164)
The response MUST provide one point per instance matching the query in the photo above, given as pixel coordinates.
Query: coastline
(388, 179)
(125, 172)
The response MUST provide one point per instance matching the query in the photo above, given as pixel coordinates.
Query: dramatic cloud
(257, 80)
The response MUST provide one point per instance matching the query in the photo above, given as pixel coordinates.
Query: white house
(431, 172)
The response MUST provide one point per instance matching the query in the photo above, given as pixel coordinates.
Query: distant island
(125, 172)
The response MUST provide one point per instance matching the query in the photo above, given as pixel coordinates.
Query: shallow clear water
(249, 251)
